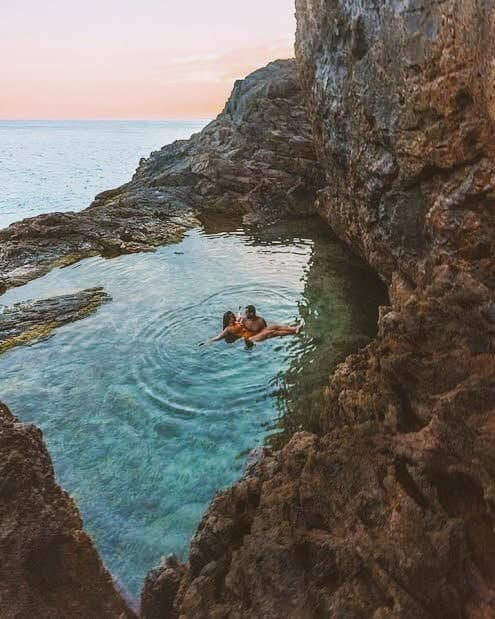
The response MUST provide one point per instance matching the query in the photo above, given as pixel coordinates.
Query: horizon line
(116, 118)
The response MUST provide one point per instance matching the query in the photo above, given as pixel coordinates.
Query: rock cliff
(256, 159)
(389, 509)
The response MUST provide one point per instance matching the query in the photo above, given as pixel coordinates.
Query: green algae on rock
(31, 321)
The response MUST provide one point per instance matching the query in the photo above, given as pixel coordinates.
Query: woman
(233, 329)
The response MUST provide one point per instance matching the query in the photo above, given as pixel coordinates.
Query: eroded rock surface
(389, 509)
(49, 568)
(255, 160)
(31, 321)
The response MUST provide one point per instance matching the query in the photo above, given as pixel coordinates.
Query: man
(253, 323)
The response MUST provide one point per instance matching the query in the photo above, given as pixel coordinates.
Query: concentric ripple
(177, 383)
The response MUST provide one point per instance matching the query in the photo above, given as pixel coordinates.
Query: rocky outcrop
(255, 160)
(49, 567)
(388, 510)
(32, 321)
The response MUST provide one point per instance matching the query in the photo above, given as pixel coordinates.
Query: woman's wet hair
(227, 317)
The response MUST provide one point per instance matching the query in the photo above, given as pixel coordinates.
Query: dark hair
(227, 317)
(251, 309)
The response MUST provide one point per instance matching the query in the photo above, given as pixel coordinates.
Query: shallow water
(143, 425)
(60, 165)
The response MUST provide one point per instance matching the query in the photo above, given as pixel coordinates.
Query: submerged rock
(255, 160)
(48, 564)
(388, 509)
(31, 321)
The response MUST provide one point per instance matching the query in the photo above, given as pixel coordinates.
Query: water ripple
(176, 383)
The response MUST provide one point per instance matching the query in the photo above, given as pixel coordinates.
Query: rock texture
(49, 568)
(255, 160)
(31, 321)
(389, 509)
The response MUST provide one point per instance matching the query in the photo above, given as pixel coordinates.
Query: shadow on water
(340, 311)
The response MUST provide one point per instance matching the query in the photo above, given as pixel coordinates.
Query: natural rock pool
(143, 425)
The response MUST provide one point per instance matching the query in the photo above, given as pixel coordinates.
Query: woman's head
(228, 319)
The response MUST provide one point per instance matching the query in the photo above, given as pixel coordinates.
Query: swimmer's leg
(262, 335)
(273, 331)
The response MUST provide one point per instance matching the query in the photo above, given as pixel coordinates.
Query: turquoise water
(143, 425)
(48, 166)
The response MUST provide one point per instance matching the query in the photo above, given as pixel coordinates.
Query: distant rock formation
(255, 160)
(389, 509)
(49, 567)
(31, 321)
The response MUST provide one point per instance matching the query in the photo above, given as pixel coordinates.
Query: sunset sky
(128, 59)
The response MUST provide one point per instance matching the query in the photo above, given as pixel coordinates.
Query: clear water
(48, 166)
(143, 425)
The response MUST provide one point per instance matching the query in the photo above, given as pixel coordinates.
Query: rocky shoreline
(255, 160)
(387, 510)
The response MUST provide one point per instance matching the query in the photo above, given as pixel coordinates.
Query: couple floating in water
(251, 328)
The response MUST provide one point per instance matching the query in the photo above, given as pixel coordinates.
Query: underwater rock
(256, 160)
(49, 566)
(31, 321)
(388, 509)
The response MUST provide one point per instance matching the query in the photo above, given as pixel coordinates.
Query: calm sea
(57, 165)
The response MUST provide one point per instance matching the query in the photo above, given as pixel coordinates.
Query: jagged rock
(49, 568)
(388, 511)
(31, 321)
(256, 159)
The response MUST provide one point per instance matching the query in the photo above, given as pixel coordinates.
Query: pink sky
(128, 59)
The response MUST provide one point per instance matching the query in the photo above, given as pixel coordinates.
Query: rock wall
(402, 104)
(389, 509)
(49, 567)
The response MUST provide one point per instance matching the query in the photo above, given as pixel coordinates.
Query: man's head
(250, 311)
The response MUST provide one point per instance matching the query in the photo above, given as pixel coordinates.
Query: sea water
(142, 423)
(48, 165)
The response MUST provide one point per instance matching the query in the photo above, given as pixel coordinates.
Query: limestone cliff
(388, 511)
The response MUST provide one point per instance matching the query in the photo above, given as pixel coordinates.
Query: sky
(134, 59)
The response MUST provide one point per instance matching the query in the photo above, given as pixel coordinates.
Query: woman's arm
(217, 338)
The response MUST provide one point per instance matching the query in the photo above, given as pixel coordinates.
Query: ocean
(60, 165)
